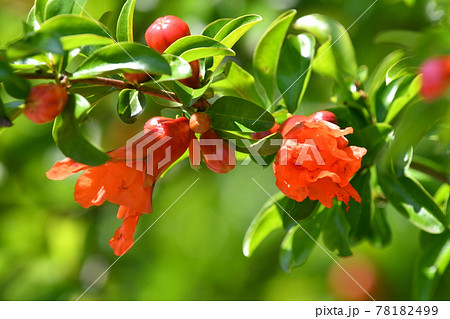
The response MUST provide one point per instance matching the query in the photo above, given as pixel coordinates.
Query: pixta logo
(141, 151)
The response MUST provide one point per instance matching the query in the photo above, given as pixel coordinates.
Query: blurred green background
(53, 249)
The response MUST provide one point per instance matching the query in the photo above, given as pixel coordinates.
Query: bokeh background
(53, 249)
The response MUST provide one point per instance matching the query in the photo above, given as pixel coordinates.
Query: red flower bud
(325, 116)
(217, 153)
(165, 31)
(260, 135)
(194, 80)
(200, 122)
(290, 123)
(136, 77)
(45, 102)
(436, 77)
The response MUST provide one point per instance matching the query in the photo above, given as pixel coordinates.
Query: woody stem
(118, 84)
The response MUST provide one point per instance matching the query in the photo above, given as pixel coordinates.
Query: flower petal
(123, 238)
(64, 169)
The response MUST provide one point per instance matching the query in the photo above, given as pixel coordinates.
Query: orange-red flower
(128, 178)
(315, 161)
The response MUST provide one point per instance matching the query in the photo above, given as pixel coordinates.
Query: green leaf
(267, 52)
(71, 42)
(68, 137)
(335, 231)
(195, 47)
(123, 58)
(238, 82)
(411, 200)
(258, 150)
(294, 68)
(5, 71)
(325, 29)
(70, 24)
(131, 104)
(184, 93)
(412, 126)
(350, 116)
(373, 138)
(298, 211)
(378, 77)
(4, 119)
(405, 38)
(124, 32)
(231, 32)
(17, 87)
(379, 234)
(211, 29)
(227, 112)
(401, 101)
(34, 44)
(32, 21)
(39, 6)
(358, 214)
(92, 93)
(264, 146)
(180, 69)
(266, 221)
(299, 243)
(430, 267)
(57, 7)
(78, 7)
(106, 18)
(325, 63)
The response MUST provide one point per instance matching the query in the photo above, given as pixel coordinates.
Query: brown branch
(118, 84)
(429, 171)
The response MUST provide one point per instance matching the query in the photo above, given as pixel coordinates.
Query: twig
(107, 82)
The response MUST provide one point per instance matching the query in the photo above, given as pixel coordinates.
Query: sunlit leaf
(68, 137)
(231, 32)
(122, 58)
(430, 266)
(294, 68)
(326, 29)
(266, 221)
(57, 7)
(335, 231)
(131, 104)
(195, 47)
(124, 32)
(227, 111)
(299, 242)
(266, 55)
(238, 82)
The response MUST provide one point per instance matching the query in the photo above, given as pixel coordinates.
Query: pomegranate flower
(315, 161)
(128, 178)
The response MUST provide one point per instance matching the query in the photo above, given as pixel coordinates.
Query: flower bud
(260, 135)
(436, 77)
(136, 78)
(325, 116)
(217, 153)
(165, 31)
(45, 102)
(200, 122)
